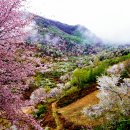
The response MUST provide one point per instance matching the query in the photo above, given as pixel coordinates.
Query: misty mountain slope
(76, 33)
(62, 38)
(46, 22)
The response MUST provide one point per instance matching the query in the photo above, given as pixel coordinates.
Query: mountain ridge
(64, 39)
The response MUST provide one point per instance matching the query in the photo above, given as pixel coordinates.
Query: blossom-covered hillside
(54, 77)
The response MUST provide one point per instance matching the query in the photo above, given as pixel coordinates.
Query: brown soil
(66, 100)
(67, 125)
(48, 119)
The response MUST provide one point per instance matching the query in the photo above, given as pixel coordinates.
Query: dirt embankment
(66, 100)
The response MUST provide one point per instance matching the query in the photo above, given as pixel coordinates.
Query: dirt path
(56, 117)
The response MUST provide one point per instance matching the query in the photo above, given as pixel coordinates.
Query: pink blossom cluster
(15, 72)
(15, 67)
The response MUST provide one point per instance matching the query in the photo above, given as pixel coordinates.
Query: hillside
(53, 84)
(65, 39)
(58, 91)
(76, 31)
(55, 76)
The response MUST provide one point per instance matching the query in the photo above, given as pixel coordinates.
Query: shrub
(126, 72)
(71, 90)
(41, 110)
(56, 74)
(40, 81)
(79, 77)
(83, 76)
(124, 124)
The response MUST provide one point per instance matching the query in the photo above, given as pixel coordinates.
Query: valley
(56, 76)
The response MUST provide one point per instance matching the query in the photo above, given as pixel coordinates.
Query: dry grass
(73, 112)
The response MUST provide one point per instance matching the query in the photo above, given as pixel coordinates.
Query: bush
(126, 72)
(83, 76)
(42, 109)
(79, 77)
(40, 81)
(56, 74)
(114, 125)
(123, 124)
(71, 90)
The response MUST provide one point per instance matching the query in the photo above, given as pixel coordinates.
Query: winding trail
(56, 117)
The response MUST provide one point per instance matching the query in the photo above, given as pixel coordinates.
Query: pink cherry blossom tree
(12, 20)
(15, 66)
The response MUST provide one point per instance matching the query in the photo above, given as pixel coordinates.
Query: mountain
(46, 23)
(63, 38)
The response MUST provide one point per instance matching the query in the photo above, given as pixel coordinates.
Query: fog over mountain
(108, 19)
(67, 39)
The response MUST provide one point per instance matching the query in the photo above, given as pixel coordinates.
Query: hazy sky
(108, 19)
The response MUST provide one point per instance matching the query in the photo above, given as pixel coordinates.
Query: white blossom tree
(114, 98)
